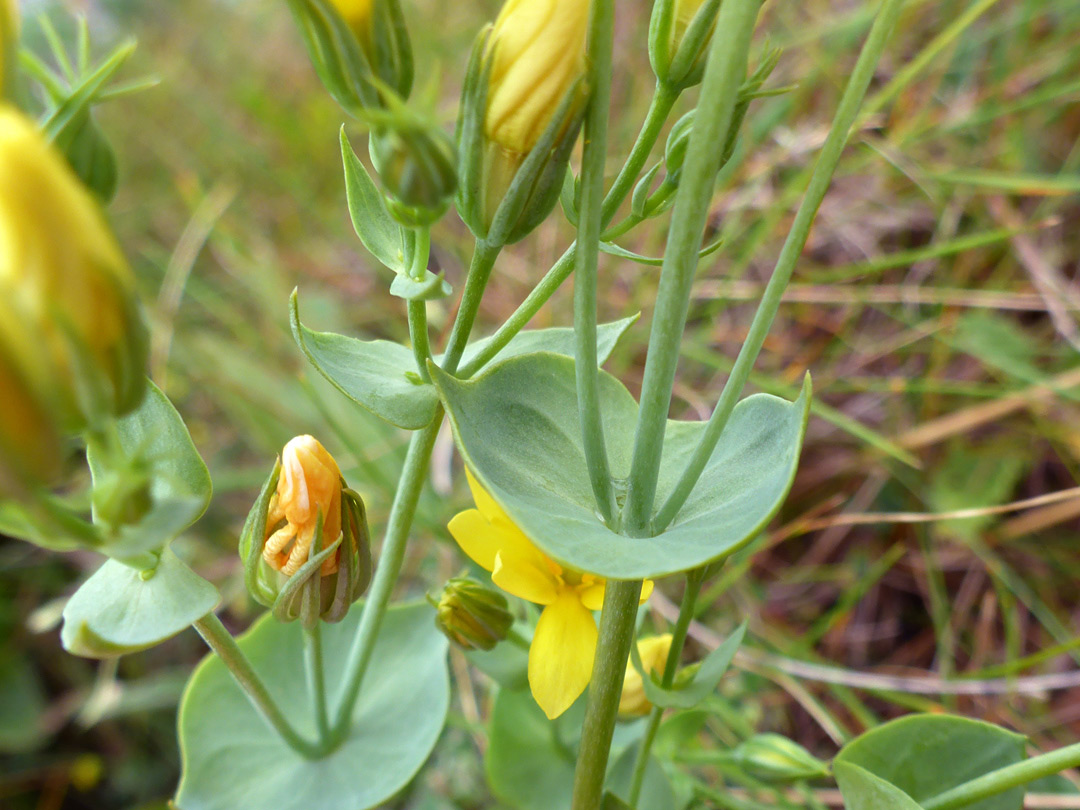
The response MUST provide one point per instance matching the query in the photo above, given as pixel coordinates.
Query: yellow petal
(646, 591)
(653, 652)
(477, 537)
(591, 592)
(484, 502)
(561, 655)
(525, 576)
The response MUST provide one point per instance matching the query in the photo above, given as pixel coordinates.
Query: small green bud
(679, 35)
(775, 758)
(416, 167)
(472, 616)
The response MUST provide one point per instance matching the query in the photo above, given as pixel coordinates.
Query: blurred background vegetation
(936, 306)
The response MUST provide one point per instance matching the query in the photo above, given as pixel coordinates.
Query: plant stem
(724, 74)
(402, 510)
(418, 334)
(313, 661)
(587, 374)
(617, 621)
(789, 255)
(694, 580)
(220, 640)
(1003, 779)
(483, 260)
(662, 102)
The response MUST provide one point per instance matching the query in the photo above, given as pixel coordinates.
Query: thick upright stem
(407, 496)
(601, 31)
(612, 651)
(313, 662)
(789, 255)
(719, 92)
(1006, 778)
(220, 640)
(694, 581)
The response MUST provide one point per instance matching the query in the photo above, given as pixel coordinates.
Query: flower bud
(472, 616)
(69, 319)
(305, 545)
(522, 109)
(654, 653)
(359, 48)
(775, 758)
(679, 35)
(416, 167)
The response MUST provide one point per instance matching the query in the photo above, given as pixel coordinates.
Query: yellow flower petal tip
(654, 652)
(561, 655)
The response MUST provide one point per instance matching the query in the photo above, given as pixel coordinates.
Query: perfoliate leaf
(232, 760)
(924, 755)
(430, 288)
(122, 610)
(863, 790)
(517, 427)
(382, 376)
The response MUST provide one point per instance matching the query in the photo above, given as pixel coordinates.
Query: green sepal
(517, 428)
(431, 288)
(924, 755)
(300, 596)
(152, 441)
(381, 376)
(121, 610)
(380, 233)
(469, 137)
(688, 64)
(253, 540)
(336, 54)
(704, 682)
(642, 192)
(614, 250)
(569, 195)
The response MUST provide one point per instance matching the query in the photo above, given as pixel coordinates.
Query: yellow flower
(309, 486)
(564, 644)
(30, 449)
(538, 54)
(357, 15)
(67, 299)
(684, 13)
(654, 653)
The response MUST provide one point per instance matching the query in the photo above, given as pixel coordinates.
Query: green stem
(587, 373)
(483, 260)
(313, 661)
(418, 334)
(402, 510)
(659, 108)
(789, 255)
(1006, 778)
(694, 580)
(617, 621)
(220, 640)
(724, 74)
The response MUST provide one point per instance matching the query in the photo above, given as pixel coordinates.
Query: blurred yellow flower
(564, 644)
(30, 448)
(309, 486)
(67, 297)
(654, 653)
(538, 54)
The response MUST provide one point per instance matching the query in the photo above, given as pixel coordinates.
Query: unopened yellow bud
(684, 13)
(654, 653)
(68, 315)
(357, 15)
(308, 490)
(538, 54)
